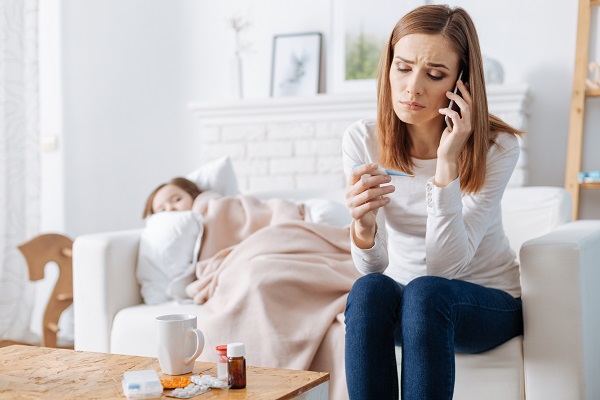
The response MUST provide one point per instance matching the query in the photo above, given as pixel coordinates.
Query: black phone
(448, 119)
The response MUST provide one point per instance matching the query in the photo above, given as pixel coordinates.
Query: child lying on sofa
(174, 237)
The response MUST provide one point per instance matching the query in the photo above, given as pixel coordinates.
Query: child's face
(171, 198)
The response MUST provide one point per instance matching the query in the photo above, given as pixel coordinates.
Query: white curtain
(19, 160)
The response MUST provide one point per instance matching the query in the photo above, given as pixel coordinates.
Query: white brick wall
(296, 143)
(280, 155)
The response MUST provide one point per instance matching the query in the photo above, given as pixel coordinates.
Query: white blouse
(439, 231)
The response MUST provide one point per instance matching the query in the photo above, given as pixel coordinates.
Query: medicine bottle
(222, 362)
(236, 365)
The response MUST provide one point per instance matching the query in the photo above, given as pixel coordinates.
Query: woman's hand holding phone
(364, 196)
(459, 129)
(454, 136)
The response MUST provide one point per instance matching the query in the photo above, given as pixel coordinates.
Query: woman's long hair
(456, 26)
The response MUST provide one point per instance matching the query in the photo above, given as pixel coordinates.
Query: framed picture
(360, 31)
(296, 64)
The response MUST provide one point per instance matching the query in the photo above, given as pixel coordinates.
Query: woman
(439, 275)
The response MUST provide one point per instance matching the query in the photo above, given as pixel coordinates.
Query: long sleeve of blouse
(456, 224)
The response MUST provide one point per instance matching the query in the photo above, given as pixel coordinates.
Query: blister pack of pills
(210, 381)
(175, 382)
(189, 391)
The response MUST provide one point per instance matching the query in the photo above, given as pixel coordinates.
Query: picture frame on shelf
(360, 31)
(296, 64)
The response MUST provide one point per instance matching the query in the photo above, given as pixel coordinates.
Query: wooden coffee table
(29, 372)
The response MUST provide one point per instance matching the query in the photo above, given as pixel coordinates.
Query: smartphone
(448, 119)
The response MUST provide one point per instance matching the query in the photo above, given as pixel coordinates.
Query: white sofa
(557, 358)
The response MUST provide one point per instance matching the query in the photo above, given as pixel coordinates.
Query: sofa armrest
(560, 274)
(104, 282)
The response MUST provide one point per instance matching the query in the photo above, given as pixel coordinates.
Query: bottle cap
(221, 347)
(236, 350)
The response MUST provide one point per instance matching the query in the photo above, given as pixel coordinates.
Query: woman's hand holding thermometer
(366, 191)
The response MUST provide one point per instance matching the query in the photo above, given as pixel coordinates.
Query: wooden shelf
(590, 185)
(578, 105)
(592, 92)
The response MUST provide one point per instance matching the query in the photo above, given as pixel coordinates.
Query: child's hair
(185, 184)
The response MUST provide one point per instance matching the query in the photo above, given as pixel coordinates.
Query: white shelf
(501, 99)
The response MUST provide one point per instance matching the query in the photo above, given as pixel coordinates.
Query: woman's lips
(411, 105)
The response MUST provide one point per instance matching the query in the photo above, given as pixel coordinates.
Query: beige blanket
(276, 282)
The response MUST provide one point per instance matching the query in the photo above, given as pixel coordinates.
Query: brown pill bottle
(236, 365)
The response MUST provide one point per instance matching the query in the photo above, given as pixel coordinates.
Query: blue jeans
(431, 318)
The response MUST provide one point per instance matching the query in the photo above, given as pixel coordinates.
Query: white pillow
(327, 212)
(169, 243)
(217, 175)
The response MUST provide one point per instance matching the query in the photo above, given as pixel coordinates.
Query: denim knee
(425, 294)
(371, 287)
(372, 294)
(428, 285)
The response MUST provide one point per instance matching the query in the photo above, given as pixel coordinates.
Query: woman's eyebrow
(429, 64)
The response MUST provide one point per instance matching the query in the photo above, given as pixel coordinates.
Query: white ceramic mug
(180, 343)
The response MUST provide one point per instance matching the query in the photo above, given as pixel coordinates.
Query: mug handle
(199, 345)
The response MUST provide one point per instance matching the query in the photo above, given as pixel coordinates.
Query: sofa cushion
(133, 330)
(529, 212)
(495, 374)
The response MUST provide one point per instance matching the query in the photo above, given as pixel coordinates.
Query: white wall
(130, 67)
(127, 78)
(536, 44)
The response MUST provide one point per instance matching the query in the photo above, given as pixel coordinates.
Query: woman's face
(424, 68)
(171, 198)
